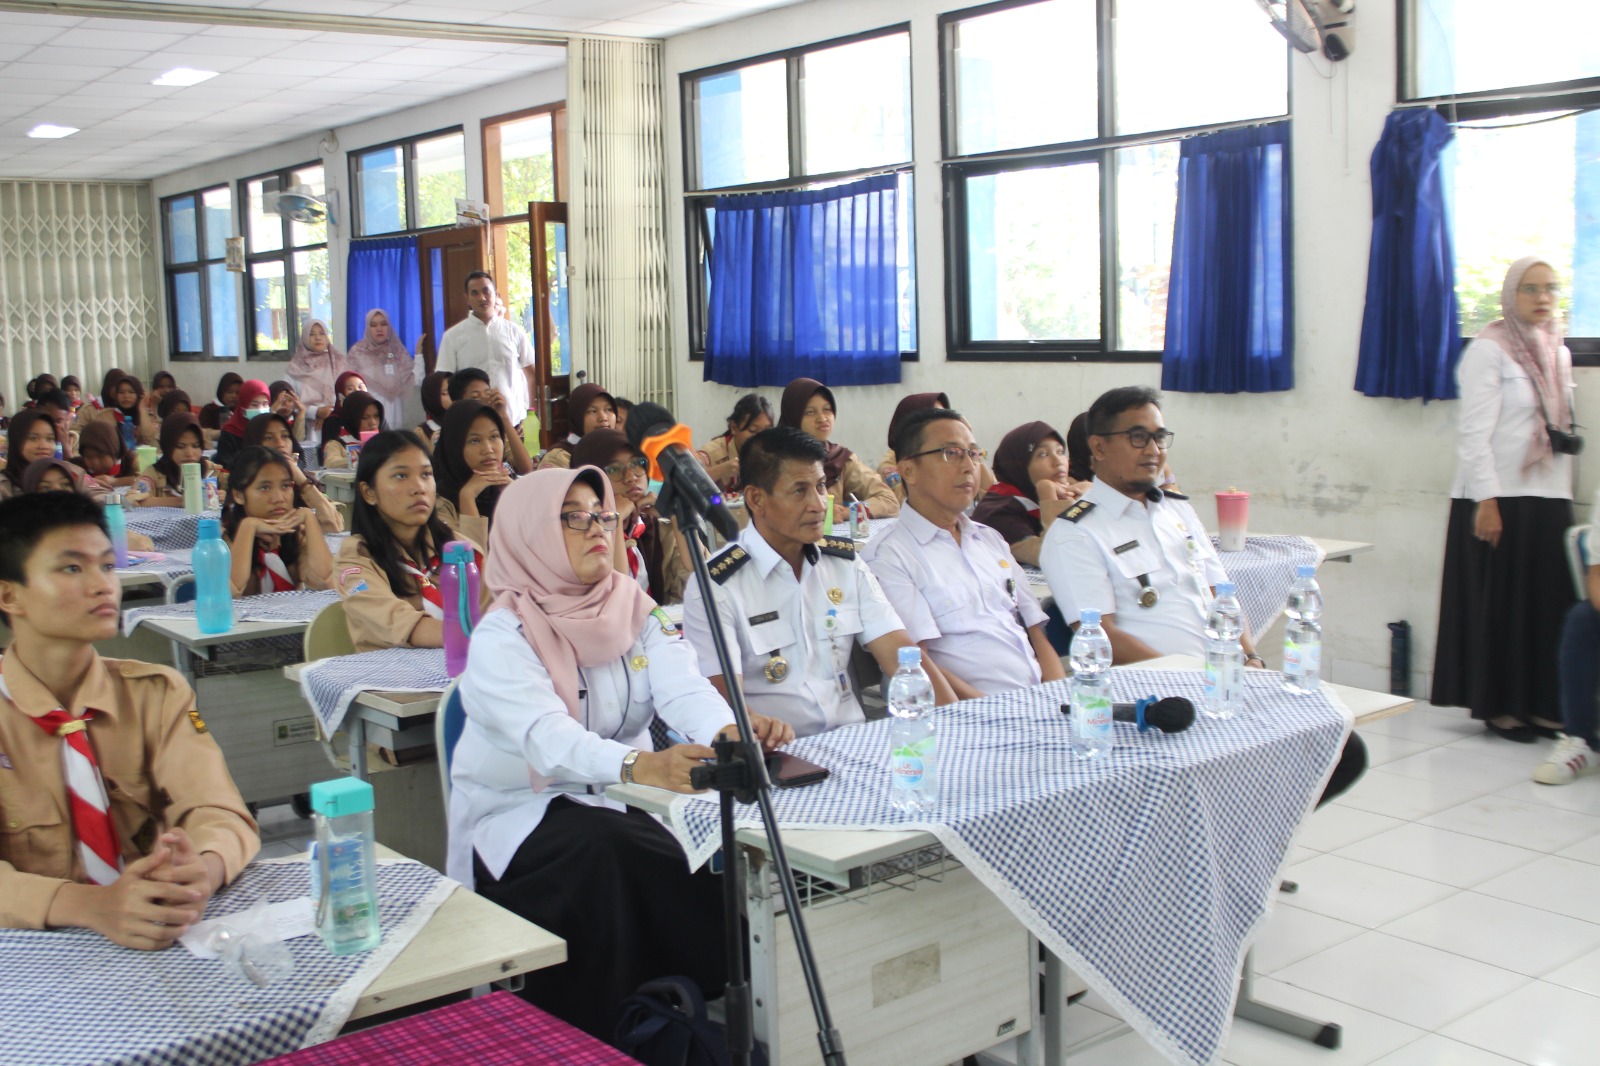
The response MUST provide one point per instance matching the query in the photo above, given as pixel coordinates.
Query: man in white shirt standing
(491, 342)
(952, 581)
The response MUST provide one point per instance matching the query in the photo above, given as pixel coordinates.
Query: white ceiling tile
(49, 87)
(631, 28)
(55, 72)
(434, 55)
(252, 32)
(364, 8)
(143, 26)
(95, 35)
(684, 15)
(334, 53)
(59, 22)
(167, 58)
(523, 20)
(368, 38)
(596, 9)
(300, 68)
(11, 52)
(234, 47)
(110, 58)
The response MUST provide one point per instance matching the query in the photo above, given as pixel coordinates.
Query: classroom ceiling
(273, 84)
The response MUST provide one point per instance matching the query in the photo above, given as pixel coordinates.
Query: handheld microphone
(669, 445)
(1172, 714)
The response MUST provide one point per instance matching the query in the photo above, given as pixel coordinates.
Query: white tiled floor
(1448, 915)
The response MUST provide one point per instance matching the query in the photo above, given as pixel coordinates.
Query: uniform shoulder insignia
(725, 562)
(843, 547)
(1078, 510)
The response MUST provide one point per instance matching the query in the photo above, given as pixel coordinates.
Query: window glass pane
(1468, 46)
(1026, 76)
(441, 177)
(857, 104)
(303, 233)
(905, 251)
(514, 268)
(743, 120)
(1033, 260)
(218, 204)
(381, 185)
(311, 295)
(266, 228)
(527, 164)
(222, 288)
(269, 306)
(1556, 214)
(1147, 201)
(1180, 64)
(186, 295)
(181, 229)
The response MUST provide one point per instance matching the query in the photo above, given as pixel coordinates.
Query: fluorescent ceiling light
(46, 131)
(184, 76)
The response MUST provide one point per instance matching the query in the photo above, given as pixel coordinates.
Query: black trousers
(616, 886)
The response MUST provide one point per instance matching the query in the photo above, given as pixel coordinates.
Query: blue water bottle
(117, 526)
(212, 584)
(458, 587)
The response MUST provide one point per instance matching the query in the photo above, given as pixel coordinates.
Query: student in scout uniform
(473, 384)
(566, 671)
(277, 546)
(793, 601)
(654, 558)
(589, 407)
(952, 581)
(1141, 555)
(752, 414)
(808, 404)
(161, 483)
(117, 813)
(361, 413)
(274, 432)
(387, 570)
(469, 467)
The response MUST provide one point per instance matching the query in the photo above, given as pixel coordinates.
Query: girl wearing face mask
(313, 368)
(161, 485)
(254, 400)
(276, 546)
(272, 432)
(362, 414)
(589, 407)
(808, 405)
(387, 570)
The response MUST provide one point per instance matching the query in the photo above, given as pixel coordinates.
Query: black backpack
(665, 1024)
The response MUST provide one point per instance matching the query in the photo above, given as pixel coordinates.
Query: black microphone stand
(740, 774)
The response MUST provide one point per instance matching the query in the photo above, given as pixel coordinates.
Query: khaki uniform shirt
(161, 769)
(861, 481)
(377, 617)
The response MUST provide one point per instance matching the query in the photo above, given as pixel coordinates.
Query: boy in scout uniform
(793, 601)
(117, 813)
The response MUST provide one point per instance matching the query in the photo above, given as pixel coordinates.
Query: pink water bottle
(458, 587)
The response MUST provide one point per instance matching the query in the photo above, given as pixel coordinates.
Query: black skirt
(616, 887)
(1501, 609)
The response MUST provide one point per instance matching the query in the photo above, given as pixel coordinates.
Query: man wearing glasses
(952, 581)
(794, 602)
(1139, 555)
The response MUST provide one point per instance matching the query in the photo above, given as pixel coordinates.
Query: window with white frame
(286, 262)
(408, 185)
(202, 294)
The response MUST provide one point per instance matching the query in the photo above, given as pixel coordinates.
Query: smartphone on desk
(791, 771)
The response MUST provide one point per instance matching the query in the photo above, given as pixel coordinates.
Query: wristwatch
(627, 766)
(1257, 658)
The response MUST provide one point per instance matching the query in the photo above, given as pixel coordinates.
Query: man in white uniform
(491, 342)
(1141, 556)
(952, 581)
(794, 602)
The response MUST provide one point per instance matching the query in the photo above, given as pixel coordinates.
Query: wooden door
(552, 339)
(447, 256)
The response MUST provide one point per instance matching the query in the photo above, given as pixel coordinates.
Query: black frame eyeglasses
(954, 454)
(580, 521)
(618, 470)
(1140, 437)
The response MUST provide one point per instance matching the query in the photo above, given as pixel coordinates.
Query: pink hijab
(1536, 349)
(568, 624)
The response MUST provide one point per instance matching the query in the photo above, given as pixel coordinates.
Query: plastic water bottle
(213, 564)
(1302, 633)
(1224, 655)
(194, 493)
(212, 494)
(117, 526)
(913, 744)
(1092, 730)
(344, 872)
(458, 588)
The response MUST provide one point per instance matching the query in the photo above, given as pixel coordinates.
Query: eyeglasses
(1553, 288)
(953, 454)
(580, 521)
(1140, 437)
(617, 470)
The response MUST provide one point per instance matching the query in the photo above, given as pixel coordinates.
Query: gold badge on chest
(639, 662)
(836, 596)
(777, 668)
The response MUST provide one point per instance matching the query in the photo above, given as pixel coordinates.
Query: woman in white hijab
(1506, 588)
(384, 364)
(313, 367)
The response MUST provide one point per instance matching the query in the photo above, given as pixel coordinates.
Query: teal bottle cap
(210, 529)
(342, 795)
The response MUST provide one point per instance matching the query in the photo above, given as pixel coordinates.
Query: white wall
(466, 110)
(1320, 460)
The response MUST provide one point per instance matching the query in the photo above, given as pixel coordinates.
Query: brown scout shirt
(376, 616)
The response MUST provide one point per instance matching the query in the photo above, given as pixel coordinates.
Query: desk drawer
(925, 976)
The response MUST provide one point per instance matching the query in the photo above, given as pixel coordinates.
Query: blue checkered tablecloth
(1148, 872)
(168, 527)
(299, 606)
(1264, 571)
(174, 564)
(69, 995)
(331, 685)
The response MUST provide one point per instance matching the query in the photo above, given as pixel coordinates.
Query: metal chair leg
(1323, 1034)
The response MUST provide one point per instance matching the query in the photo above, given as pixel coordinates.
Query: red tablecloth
(495, 1030)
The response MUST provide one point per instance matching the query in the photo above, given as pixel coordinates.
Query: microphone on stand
(669, 445)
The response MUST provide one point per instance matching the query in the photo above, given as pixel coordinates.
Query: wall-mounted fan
(1313, 25)
(299, 204)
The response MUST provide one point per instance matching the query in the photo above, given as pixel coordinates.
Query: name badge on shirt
(1123, 548)
(762, 619)
(844, 684)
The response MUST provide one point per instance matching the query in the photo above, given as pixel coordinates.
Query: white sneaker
(1571, 759)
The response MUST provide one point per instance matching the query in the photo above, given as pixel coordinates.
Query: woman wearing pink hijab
(384, 364)
(1506, 588)
(566, 670)
(313, 368)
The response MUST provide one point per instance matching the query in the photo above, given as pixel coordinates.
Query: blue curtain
(1229, 326)
(385, 273)
(804, 284)
(1410, 329)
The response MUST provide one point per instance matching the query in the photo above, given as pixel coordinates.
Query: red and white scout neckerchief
(432, 596)
(273, 574)
(97, 845)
